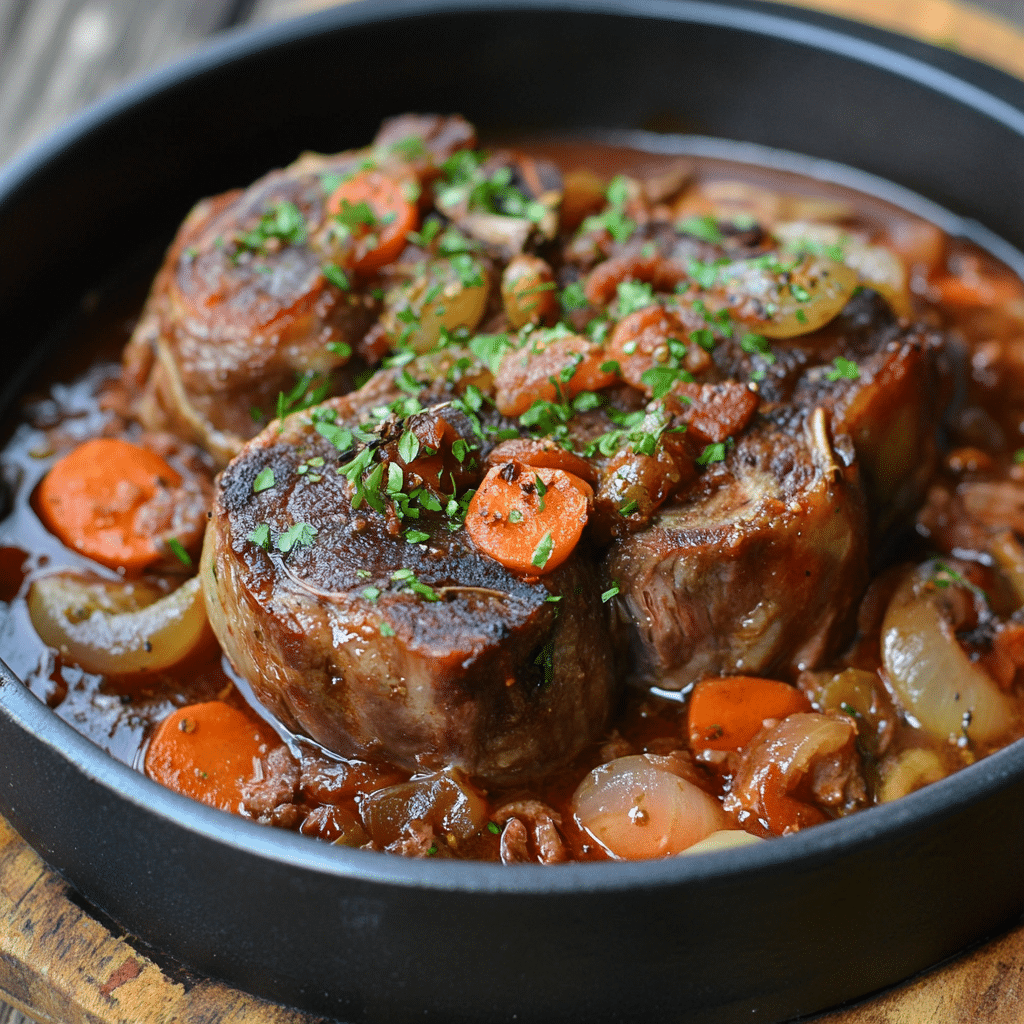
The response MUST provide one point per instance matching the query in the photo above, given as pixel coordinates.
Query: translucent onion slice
(637, 808)
(727, 839)
(908, 771)
(115, 628)
(448, 294)
(931, 675)
(876, 266)
(781, 303)
(444, 800)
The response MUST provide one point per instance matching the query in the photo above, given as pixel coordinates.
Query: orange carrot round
(91, 497)
(546, 371)
(529, 518)
(377, 209)
(208, 752)
(977, 291)
(726, 712)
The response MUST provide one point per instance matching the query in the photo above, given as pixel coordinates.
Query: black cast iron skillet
(758, 934)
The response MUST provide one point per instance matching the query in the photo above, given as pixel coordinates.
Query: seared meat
(229, 326)
(418, 649)
(890, 409)
(755, 569)
(248, 304)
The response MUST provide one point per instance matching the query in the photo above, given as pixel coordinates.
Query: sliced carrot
(376, 208)
(560, 368)
(541, 452)
(726, 712)
(91, 497)
(529, 518)
(208, 752)
(645, 340)
(977, 290)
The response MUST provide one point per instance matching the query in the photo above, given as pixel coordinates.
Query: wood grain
(940, 22)
(60, 964)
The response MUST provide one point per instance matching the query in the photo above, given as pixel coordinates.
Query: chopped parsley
(418, 587)
(573, 297)
(613, 219)
(611, 592)
(705, 275)
(310, 389)
(333, 273)
(460, 449)
(297, 535)
(386, 630)
(661, 379)
(843, 368)
(179, 552)
(339, 348)
(464, 181)
(408, 447)
(757, 344)
(542, 552)
(490, 349)
(260, 536)
(704, 228)
(946, 576)
(714, 452)
(282, 220)
(426, 235)
(632, 296)
(354, 215)
(703, 337)
(264, 480)
(340, 437)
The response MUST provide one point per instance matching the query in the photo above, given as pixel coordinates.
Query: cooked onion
(445, 295)
(813, 292)
(781, 758)
(726, 839)
(908, 771)
(932, 676)
(445, 801)
(877, 267)
(115, 627)
(637, 807)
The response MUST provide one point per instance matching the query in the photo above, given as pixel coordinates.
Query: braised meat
(756, 568)
(256, 299)
(397, 639)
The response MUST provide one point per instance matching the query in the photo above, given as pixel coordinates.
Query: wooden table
(59, 963)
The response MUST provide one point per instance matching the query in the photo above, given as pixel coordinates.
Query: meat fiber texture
(489, 675)
(758, 566)
(241, 305)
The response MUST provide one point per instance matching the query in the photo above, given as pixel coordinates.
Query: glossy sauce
(119, 714)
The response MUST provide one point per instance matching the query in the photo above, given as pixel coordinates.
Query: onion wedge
(929, 671)
(115, 628)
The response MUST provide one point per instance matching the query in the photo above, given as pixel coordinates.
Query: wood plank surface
(59, 963)
(62, 965)
(958, 26)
